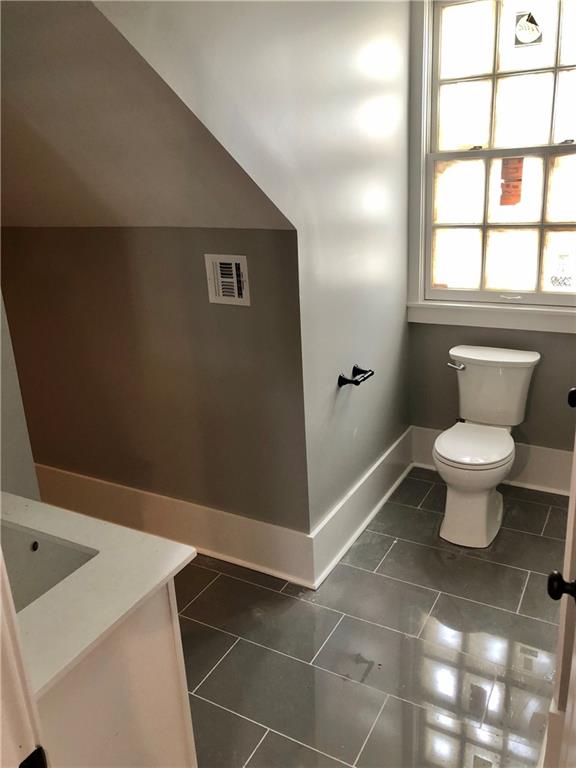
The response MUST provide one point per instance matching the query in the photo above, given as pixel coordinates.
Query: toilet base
(472, 519)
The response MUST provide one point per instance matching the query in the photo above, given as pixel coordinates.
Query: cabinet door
(20, 731)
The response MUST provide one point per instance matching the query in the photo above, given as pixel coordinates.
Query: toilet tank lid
(511, 358)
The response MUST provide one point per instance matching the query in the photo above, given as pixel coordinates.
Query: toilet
(477, 453)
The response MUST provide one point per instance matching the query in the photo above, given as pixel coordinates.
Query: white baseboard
(537, 467)
(303, 558)
(269, 548)
(346, 521)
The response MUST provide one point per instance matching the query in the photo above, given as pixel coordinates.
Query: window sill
(527, 318)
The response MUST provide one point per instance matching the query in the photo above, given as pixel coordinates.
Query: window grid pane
(511, 262)
(517, 246)
(528, 35)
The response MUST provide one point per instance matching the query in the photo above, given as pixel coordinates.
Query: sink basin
(37, 561)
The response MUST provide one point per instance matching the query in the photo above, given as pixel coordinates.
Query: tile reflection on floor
(413, 652)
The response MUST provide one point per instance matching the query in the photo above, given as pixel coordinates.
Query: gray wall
(92, 136)
(434, 392)
(18, 474)
(130, 375)
(311, 99)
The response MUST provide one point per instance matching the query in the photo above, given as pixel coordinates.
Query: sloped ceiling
(92, 136)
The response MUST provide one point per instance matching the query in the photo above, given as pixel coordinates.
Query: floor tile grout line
(536, 618)
(313, 659)
(368, 621)
(441, 514)
(211, 626)
(272, 730)
(428, 492)
(472, 557)
(530, 533)
(419, 635)
(341, 617)
(258, 586)
(234, 644)
(317, 666)
(251, 755)
(434, 707)
(216, 577)
(448, 594)
(390, 548)
(239, 578)
(422, 706)
(523, 592)
(546, 521)
(420, 508)
(287, 655)
(422, 586)
(371, 729)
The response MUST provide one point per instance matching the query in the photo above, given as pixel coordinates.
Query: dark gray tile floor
(412, 653)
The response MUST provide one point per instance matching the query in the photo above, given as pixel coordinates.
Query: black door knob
(572, 397)
(558, 587)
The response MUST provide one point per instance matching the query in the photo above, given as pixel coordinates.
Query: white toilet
(476, 454)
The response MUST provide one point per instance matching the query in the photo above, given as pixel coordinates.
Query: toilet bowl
(473, 459)
(477, 453)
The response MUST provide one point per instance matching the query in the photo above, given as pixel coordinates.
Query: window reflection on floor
(497, 721)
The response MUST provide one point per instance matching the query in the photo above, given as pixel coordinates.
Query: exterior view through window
(502, 168)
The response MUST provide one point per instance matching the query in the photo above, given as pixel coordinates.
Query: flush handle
(456, 366)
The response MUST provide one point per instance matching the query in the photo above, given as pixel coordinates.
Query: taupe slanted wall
(130, 375)
(114, 191)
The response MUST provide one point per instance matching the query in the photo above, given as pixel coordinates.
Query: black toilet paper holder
(359, 375)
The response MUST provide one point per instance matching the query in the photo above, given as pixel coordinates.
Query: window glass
(559, 261)
(523, 110)
(467, 39)
(561, 200)
(502, 208)
(515, 193)
(464, 115)
(568, 33)
(459, 192)
(511, 260)
(527, 34)
(457, 258)
(565, 107)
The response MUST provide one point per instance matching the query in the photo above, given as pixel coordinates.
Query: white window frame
(508, 309)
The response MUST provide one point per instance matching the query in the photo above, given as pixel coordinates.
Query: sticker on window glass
(511, 175)
(561, 279)
(527, 30)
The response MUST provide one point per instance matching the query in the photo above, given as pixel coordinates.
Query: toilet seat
(474, 446)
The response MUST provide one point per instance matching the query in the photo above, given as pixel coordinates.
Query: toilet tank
(493, 385)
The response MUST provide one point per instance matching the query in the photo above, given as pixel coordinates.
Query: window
(501, 170)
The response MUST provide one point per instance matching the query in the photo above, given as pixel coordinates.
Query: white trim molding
(537, 467)
(524, 318)
(297, 556)
(303, 558)
(453, 310)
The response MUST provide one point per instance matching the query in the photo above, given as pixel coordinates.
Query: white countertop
(68, 620)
